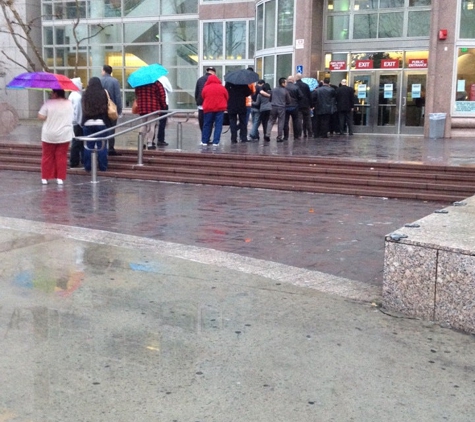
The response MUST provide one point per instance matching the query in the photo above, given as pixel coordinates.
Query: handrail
(95, 137)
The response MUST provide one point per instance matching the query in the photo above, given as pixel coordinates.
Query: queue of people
(314, 114)
(326, 109)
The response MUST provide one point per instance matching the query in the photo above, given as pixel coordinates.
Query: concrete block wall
(430, 274)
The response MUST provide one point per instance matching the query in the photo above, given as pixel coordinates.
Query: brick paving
(336, 234)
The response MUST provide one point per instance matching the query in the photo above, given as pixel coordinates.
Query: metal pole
(94, 165)
(140, 149)
(179, 136)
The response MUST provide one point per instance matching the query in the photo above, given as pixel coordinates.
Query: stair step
(306, 174)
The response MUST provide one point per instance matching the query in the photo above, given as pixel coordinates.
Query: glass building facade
(389, 50)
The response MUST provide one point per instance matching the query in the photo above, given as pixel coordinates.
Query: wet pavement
(150, 301)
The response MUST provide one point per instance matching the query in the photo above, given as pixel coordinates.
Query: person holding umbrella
(56, 134)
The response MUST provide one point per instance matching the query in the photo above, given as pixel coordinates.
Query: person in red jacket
(215, 101)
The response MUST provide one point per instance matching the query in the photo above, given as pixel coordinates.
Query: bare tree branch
(14, 61)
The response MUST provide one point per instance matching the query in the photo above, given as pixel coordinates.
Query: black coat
(306, 100)
(237, 97)
(345, 98)
(324, 100)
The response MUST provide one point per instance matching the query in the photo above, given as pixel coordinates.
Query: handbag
(111, 108)
(135, 107)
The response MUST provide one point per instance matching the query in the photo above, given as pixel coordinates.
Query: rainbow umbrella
(42, 80)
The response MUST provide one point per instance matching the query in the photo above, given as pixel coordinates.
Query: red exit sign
(389, 64)
(364, 64)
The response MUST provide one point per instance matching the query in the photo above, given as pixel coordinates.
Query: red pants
(54, 161)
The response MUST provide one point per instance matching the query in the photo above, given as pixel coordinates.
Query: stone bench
(430, 274)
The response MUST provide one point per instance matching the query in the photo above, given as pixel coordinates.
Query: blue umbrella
(146, 75)
(311, 82)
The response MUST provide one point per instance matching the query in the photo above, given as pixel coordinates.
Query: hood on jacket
(213, 79)
(78, 83)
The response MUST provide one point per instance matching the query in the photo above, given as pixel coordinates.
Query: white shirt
(58, 126)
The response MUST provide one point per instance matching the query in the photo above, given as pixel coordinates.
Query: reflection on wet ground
(102, 333)
(141, 301)
(329, 233)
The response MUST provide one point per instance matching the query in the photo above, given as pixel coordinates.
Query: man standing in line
(305, 116)
(280, 98)
(292, 109)
(200, 83)
(237, 109)
(324, 108)
(112, 86)
(344, 102)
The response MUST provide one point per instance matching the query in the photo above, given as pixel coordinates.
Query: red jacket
(215, 95)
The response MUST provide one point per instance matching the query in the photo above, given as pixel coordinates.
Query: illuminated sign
(417, 64)
(364, 64)
(389, 64)
(338, 65)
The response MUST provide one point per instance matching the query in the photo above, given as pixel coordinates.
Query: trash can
(437, 125)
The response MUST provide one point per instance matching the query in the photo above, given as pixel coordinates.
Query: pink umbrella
(42, 80)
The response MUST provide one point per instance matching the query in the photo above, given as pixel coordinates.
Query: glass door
(413, 103)
(377, 99)
(363, 111)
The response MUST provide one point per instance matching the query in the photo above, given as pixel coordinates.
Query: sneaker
(203, 144)
(215, 145)
(44, 181)
(162, 144)
(151, 147)
(59, 181)
(279, 139)
(266, 139)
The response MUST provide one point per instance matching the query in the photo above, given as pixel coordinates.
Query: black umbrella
(241, 77)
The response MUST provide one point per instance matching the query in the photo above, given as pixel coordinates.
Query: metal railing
(110, 132)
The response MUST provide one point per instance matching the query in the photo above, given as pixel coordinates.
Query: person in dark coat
(112, 86)
(215, 101)
(292, 109)
(237, 109)
(305, 116)
(200, 83)
(325, 106)
(344, 102)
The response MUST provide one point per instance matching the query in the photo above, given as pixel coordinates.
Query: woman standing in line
(95, 119)
(56, 134)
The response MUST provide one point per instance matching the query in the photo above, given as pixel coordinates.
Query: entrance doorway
(389, 102)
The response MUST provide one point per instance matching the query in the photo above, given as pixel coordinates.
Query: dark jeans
(161, 128)
(200, 118)
(346, 121)
(111, 141)
(305, 118)
(101, 155)
(233, 126)
(323, 125)
(264, 119)
(210, 119)
(294, 113)
(77, 148)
